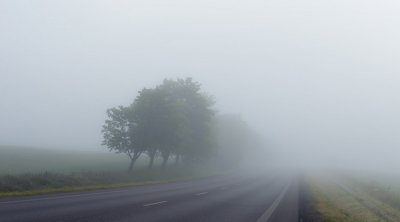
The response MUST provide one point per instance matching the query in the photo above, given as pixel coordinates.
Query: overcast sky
(314, 77)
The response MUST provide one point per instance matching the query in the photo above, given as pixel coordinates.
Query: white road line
(203, 193)
(268, 213)
(156, 203)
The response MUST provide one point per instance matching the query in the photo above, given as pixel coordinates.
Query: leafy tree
(119, 135)
(147, 113)
(157, 124)
(195, 131)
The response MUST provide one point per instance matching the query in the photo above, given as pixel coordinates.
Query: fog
(318, 79)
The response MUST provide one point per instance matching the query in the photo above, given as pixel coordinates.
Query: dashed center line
(203, 193)
(156, 203)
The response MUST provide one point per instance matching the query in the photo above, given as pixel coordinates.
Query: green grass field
(18, 160)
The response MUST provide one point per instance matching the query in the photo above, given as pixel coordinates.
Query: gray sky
(320, 78)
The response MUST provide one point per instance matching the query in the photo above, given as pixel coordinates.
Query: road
(226, 198)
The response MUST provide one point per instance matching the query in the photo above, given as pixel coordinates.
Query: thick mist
(319, 80)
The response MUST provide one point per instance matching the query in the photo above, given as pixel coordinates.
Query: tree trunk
(135, 156)
(133, 160)
(151, 161)
(165, 160)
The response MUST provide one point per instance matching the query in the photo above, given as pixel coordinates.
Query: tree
(152, 114)
(195, 131)
(175, 117)
(118, 133)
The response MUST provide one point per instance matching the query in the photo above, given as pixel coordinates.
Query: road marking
(268, 213)
(156, 203)
(203, 193)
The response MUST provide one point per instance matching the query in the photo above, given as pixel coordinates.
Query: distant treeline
(174, 119)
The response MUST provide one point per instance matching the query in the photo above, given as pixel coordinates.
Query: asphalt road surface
(230, 198)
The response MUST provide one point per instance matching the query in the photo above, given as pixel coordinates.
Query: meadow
(19, 160)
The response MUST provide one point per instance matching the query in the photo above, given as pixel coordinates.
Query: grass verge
(343, 201)
(323, 204)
